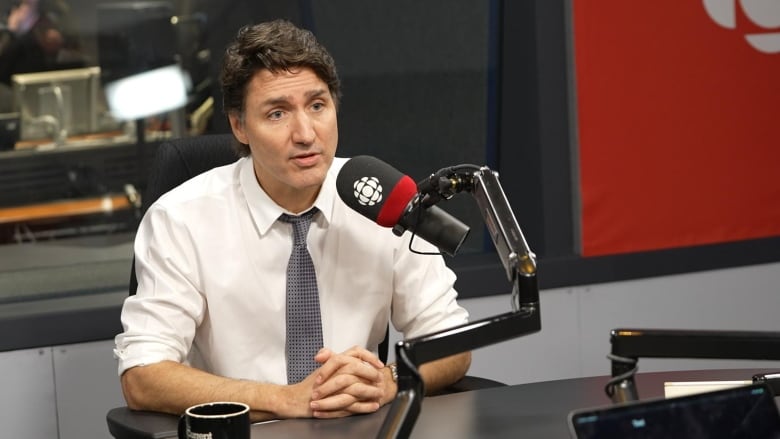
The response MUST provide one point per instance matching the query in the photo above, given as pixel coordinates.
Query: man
(35, 38)
(208, 322)
(30, 42)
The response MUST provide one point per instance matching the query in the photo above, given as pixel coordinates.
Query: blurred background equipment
(154, 63)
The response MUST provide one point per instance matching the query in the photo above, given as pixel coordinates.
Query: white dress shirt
(211, 263)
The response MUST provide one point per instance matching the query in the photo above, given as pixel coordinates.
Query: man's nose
(303, 129)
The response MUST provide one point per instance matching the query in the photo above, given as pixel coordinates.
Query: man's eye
(318, 106)
(275, 115)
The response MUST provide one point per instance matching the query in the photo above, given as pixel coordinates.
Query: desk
(99, 138)
(536, 410)
(63, 292)
(65, 208)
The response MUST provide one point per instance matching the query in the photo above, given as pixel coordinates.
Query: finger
(356, 408)
(364, 354)
(323, 355)
(336, 362)
(341, 363)
(348, 395)
(350, 373)
(333, 403)
(347, 384)
(331, 415)
(342, 401)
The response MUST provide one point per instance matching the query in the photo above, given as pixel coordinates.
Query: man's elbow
(465, 363)
(133, 389)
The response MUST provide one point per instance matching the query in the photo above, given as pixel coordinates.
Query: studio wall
(677, 122)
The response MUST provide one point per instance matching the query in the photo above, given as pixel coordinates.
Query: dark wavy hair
(277, 46)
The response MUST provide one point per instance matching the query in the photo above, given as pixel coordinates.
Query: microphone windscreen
(375, 189)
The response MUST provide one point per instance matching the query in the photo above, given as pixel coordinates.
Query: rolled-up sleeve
(160, 320)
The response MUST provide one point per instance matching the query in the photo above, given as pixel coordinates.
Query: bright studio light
(148, 93)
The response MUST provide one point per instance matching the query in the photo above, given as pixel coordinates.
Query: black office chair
(177, 161)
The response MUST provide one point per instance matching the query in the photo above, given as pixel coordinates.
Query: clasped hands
(347, 383)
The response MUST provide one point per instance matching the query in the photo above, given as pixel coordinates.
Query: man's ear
(237, 125)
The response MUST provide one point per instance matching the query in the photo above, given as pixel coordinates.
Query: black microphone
(384, 195)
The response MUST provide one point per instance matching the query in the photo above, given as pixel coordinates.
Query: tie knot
(300, 224)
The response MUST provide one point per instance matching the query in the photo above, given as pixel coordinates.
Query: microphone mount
(520, 265)
(483, 184)
(446, 183)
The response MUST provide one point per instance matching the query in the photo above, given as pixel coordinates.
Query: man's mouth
(306, 160)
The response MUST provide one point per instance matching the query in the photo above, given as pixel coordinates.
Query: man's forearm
(171, 387)
(441, 373)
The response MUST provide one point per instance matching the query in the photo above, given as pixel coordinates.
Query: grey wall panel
(27, 403)
(87, 387)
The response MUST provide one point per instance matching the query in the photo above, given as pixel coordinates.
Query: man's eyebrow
(273, 102)
(283, 100)
(315, 93)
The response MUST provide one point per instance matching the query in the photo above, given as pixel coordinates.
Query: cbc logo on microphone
(765, 14)
(368, 191)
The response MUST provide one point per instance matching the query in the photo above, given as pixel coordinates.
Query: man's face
(291, 128)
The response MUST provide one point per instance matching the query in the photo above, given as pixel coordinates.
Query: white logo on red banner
(765, 14)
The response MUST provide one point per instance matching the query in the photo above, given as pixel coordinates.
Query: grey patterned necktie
(304, 324)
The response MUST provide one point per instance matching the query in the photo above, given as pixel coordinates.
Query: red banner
(679, 128)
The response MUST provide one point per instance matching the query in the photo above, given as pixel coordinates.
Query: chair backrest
(178, 160)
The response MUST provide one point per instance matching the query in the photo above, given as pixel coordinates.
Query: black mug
(215, 420)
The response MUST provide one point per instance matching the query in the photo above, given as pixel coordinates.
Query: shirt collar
(265, 211)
